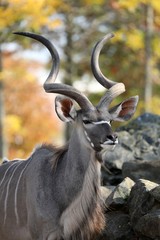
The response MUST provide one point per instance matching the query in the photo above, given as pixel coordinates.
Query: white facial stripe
(101, 122)
(110, 142)
(92, 145)
(88, 138)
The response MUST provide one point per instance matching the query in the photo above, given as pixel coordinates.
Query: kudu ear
(125, 110)
(65, 109)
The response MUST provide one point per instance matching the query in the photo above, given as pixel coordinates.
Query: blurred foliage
(132, 5)
(22, 14)
(29, 113)
(74, 27)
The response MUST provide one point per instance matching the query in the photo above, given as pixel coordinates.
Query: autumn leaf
(30, 117)
(132, 38)
(130, 5)
(33, 14)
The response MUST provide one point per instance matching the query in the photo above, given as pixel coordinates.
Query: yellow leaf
(12, 124)
(12, 127)
(156, 5)
(93, 2)
(34, 13)
(129, 4)
(156, 46)
(132, 38)
(135, 39)
(156, 105)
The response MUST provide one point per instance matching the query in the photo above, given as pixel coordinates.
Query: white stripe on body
(6, 173)
(12, 169)
(7, 191)
(5, 179)
(16, 190)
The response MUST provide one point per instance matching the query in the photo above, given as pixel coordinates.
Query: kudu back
(55, 193)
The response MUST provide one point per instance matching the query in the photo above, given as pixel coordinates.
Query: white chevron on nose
(101, 122)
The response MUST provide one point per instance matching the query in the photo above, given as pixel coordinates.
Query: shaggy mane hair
(84, 218)
(57, 152)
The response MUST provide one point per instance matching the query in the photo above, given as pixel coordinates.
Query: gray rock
(146, 133)
(156, 193)
(126, 140)
(149, 225)
(149, 170)
(133, 211)
(140, 200)
(138, 140)
(116, 158)
(120, 194)
(142, 121)
(118, 226)
(106, 191)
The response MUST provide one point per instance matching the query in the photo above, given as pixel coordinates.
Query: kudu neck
(82, 174)
(79, 147)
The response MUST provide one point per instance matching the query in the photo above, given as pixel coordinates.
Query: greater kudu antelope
(55, 193)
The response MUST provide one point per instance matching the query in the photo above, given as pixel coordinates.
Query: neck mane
(84, 217)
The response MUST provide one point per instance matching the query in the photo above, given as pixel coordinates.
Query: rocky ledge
(138, 153)
(132, 187)
(132, 211)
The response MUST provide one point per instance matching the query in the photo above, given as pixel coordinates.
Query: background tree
(29, 113)
(20, 15)
(132, 56)
(146, 22)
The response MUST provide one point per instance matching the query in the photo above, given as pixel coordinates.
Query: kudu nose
(113, 137)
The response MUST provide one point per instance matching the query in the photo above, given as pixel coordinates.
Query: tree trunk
(2, 138)
(69, 61)
(148, 58)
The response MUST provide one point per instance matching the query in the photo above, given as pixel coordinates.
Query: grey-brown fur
(37, 199)
(55, 193)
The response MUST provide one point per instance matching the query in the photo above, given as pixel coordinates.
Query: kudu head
(93, 122)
